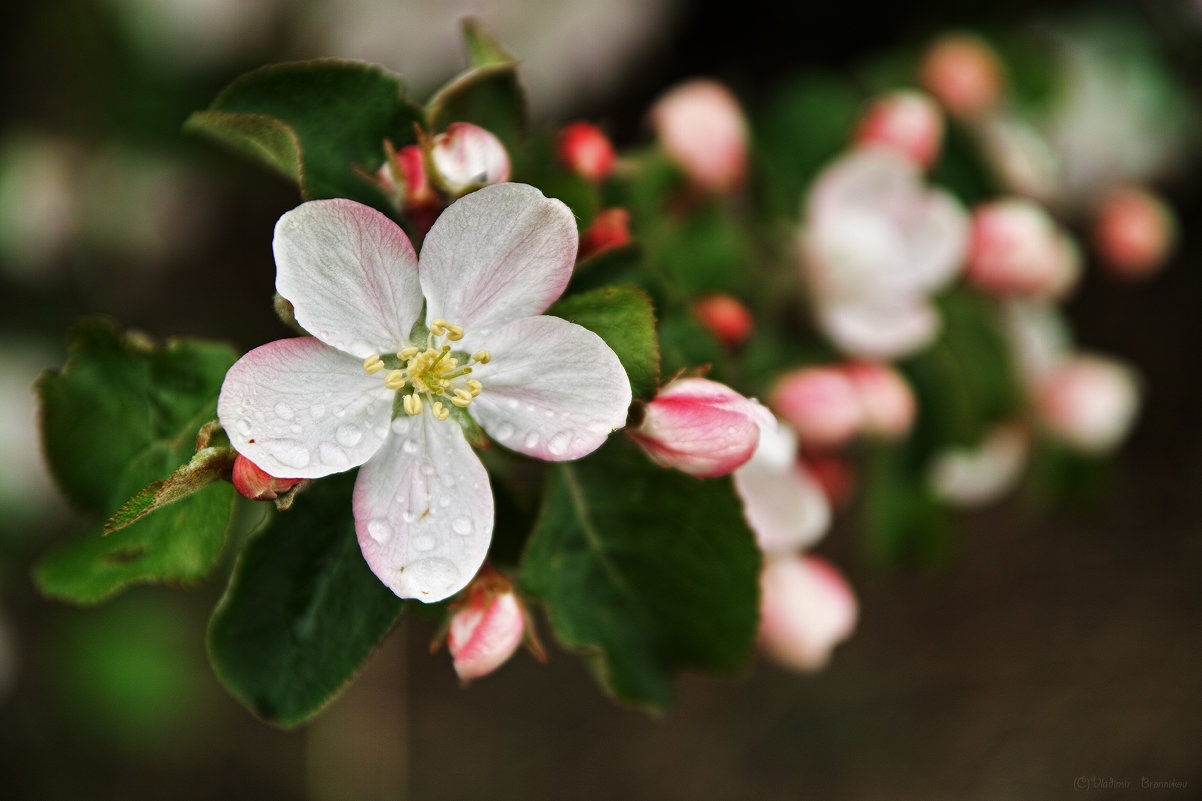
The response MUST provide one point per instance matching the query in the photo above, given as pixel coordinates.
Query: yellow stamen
(413, 405)
(454, 332)
(474, 386)
(407, 354)
(372, 364)
(482, 356)
(439, 411)
(438, 326)
(395, 379)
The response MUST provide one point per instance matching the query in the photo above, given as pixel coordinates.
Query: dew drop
(291, 453)
(332, 455)
(295, 428)
(559, 444)
(462, 526)
(512, 403)
(400, 426)
(317, 411)
(444, 502)
(348, 435)
(409, 516)
(731, 431)
(428, 469)
(244, 427)
(505, 432)
(340, 413)
(284, 411)
(410, 447)
(531, 439)
(427, 577)
(379, 530)
(423, 543)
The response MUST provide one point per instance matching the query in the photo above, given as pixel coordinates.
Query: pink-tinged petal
(884, 328)
(350, 273)
(702, 128)
(499, 254)
(906, 121)
(300, 409)
(806, 609)
(1089, 402)
(964, 72)
(783, 504)
(1134, 232)
(251, 481)
(467, 156)
(701, 427)
(424, 509)
(553, 389)
(821, 404)
(485, 632)
(887, 400)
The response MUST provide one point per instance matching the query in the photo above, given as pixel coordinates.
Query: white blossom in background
(806, 609)
(368, 388)
(701, 126)
(975, 476)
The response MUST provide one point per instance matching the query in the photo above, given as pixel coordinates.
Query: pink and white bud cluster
(586, 150)
(725, 317)
(1089, 403)
(701, 127)
(403, 177)
(828, 406)
(486, 627)
(251, 481)
(875, 245)
(907, 122)
(965, 73)
(1017, 248)
(466, 157)
(1134, 232)
(701, 427)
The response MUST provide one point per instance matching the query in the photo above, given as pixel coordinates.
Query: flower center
(431, 375)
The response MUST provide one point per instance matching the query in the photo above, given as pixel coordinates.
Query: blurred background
(1054, 645)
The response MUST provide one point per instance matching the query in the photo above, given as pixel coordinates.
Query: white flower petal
(499, 254)
(783, 504)
(424, 510)
(938, 239)
(300, 409)
(553, 389)
(351, 274)
(880, 328)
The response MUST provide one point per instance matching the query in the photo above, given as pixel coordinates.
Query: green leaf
(904, 522)
(487, 94)
(122, 414)
(314, 122)
(206, 466)
(623, 317)
(303, 611)
(645, 571)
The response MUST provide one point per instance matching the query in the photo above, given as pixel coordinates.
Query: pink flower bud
(963, 71)
(726, 318)
(468, 157)
(1134, 232)
(806, 609)
(253, 482)
(487, 628)
(586, 150)
(609, 229)
(885, 397)
(821, 404)
(702, 128)
(1017, 248)
(1089, 403)
(701, 427)
(907, 122)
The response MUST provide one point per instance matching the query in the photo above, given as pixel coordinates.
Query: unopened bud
(487, 627)
(725, 317)
(1017, 248)
(702, 128)
(585, 150)
(253, 482)
(885, 397)
(964, 72)
(806, 609)
(701, 427)
(821, 404)
(1134, 232)
(609, 229)
(1089, 403)
(905, 121)
(468, 157)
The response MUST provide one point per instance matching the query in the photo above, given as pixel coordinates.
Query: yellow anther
(461, 403)
(454, 332)
(474, 386)
(395, 379)
(438, 326)
(439, 411)
(407, 354)
(482, 356)
(451, 363)
(413, 405)
(372, 364)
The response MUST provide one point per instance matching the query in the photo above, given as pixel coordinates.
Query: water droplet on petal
(428, 469)
(423, 543)
(512, 403)
(379, 530)
(731, 430)
(348, 435)
(504, 432)
(400, 426)
(244, 427)
(444, 502)
(340, 412)
(317, 411)
(559, 444)
(531, 440)
(290, 453)
(410, 447)
(427, 577)
(409, 516)
(461, 525)
(332, 455)
(284, 411)
(295, 428)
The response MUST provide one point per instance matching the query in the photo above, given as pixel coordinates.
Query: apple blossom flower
(806, 609)
(487, 627)
(964, 72)
(1089, 403)
(1017, 248)
(821, 404)
(701, 427)
(701, 127)
(251, 481)
(609, 229)
(875, 244)
(586, 150)
(783, 503)
(377, 386)
(1134, 231)
(886, 399)
(906, 121)
(466, 157)
(978, 475)
(725, 317)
